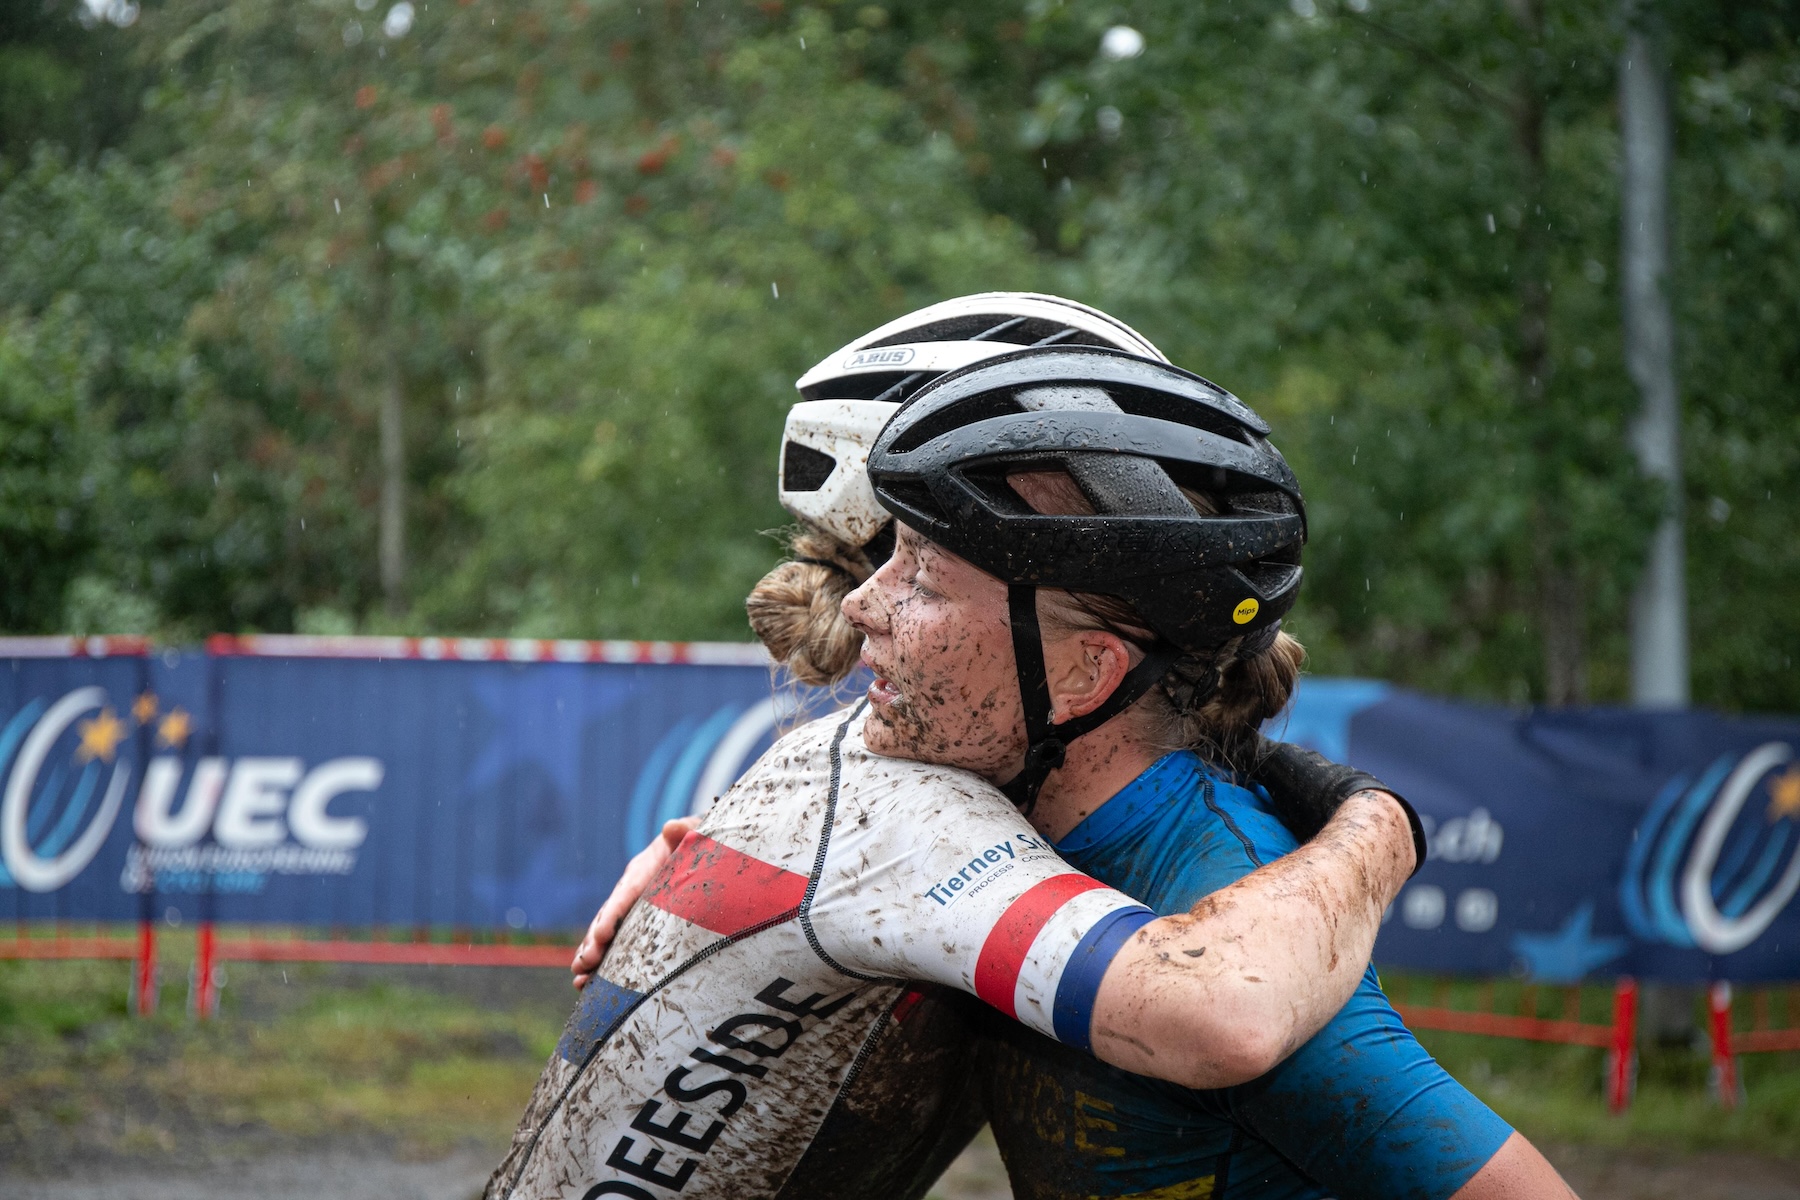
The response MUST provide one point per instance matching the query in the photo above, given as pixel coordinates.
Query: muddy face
(937, 637)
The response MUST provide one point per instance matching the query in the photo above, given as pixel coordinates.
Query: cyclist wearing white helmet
(849, 395)
(773, 953)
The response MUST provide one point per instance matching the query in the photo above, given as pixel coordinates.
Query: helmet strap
(1047, 743)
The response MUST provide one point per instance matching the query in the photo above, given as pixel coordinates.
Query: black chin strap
(1046, 743)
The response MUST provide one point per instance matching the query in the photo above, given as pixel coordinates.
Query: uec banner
(305, 788)
(503, 784)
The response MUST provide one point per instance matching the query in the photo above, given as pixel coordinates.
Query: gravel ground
(327, 1176)
(1597, 1174)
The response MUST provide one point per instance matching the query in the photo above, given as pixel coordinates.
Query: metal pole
(1659, 621)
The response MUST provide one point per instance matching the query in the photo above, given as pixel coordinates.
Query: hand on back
(638, 873)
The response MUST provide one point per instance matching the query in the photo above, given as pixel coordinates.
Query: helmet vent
(994, 327)
(804, 469)
(980, 408)
(915, 497)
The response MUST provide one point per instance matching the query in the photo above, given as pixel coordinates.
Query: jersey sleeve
(929, 873)
(1363, 1109)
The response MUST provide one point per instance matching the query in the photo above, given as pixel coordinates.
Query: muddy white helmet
(848, 396)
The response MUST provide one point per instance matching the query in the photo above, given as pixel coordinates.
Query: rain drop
(1490, 220)
(1120, 43)
(546, 199)
(399, 20)
(774, 290)
(335, 206)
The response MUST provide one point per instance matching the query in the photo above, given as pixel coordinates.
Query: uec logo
(51, 829)
(1709, 869)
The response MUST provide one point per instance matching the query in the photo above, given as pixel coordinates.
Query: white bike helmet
(848, 397)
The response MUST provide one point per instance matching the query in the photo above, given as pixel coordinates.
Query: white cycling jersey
(741, 998)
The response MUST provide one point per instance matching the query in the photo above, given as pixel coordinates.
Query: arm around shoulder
(1222, 994)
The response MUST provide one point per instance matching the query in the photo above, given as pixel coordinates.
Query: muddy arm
(1220, 995)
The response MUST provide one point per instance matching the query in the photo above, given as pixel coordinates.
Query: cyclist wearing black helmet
(771, 958)
(1092, 548)
(1117, 1135)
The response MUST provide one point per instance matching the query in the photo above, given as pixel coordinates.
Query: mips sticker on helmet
(1245, 612)
(894, 356)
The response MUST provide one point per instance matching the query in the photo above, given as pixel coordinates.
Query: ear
(1084, 668)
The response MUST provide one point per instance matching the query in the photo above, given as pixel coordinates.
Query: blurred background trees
(470, 317)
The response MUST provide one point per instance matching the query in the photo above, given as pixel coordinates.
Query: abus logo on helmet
(894, 356)
(66, 769)
(1718, 855)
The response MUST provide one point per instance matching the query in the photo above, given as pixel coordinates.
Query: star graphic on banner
(539, 719)
(174, 729)
(1571, 952)
(551, 895)
(144, 708)
(100, 737)
(1784, 795)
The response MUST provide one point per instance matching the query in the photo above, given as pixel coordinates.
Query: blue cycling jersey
(1361, 1110)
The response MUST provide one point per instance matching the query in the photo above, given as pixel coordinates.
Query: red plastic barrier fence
(213, 948)
(143, 973)
(1621, 1057)
(1617, 1039)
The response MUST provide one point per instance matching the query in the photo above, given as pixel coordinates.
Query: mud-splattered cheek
(957, 700)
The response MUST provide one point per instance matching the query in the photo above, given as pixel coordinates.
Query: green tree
(481, 318)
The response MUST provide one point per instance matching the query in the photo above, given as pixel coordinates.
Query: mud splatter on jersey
(756, 980)
(1360, 1112)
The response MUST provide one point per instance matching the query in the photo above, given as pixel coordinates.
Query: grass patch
(425, 1060)
(297, 1053)
(1553, 1094)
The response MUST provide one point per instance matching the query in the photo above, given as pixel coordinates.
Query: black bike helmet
(1131, 432)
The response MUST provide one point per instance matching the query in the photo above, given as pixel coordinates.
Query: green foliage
(65, 77)
(41, 464)
(585, 248)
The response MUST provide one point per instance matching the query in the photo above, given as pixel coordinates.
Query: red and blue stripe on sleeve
(1017, 949)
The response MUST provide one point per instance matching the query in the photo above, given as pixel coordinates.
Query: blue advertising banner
(358, 791)
(504, 784)
(1567, 843)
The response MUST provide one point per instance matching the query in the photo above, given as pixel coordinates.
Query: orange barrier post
(1763, 1037)
(1621, 1059)
(203, 997)
(1727, 1088)
(143, 970)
